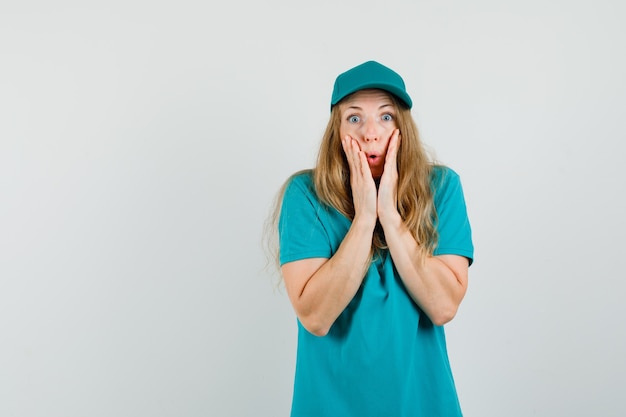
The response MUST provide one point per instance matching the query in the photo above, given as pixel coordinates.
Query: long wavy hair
(415, 195)
(331, 178)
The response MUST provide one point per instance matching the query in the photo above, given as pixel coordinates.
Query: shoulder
(299, 186)
(302, 178)
(453, 227)
(301, 182)
(446, 188)
(443, 178)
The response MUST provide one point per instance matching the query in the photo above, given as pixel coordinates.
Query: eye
(387, 117)
(354, 119)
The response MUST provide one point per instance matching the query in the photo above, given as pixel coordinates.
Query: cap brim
(402, 95)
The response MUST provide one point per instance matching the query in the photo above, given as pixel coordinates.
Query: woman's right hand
(363, 186)
(320, 289)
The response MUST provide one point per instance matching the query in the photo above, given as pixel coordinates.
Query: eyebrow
(359, 108)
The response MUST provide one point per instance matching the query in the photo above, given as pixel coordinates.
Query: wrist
(365, 222)
(390, 219)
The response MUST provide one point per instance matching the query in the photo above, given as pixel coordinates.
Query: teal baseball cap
(370, 74)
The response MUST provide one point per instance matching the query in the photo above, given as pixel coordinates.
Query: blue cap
(370, 74)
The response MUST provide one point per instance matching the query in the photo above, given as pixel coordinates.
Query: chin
(376, 174)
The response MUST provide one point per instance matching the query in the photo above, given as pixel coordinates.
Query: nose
(370, 130)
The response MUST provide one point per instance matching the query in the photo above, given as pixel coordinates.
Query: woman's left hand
(387, 206)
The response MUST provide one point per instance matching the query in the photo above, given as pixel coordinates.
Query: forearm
(436, 287)
(330, 288)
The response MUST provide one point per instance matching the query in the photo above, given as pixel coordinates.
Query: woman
(374, 248)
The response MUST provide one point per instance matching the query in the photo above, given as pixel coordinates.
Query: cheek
(392, 126)
(388, 133)
(347, 130)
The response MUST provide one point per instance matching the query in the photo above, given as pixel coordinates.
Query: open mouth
(373, 160)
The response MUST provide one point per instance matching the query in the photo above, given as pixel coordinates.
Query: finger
(394, 144)
(361, 161)
(346, 145)
(358, 157)
(348, 149)
(365, 166)
(391, 157)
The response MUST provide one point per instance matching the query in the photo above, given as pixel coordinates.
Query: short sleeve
(301, 232)
(453, 226)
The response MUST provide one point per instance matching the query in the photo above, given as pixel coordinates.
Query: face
(369, 117)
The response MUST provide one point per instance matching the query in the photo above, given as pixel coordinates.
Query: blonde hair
(415, 196)
(331, 178)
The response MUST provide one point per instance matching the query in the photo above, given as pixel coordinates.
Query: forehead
(368, 97)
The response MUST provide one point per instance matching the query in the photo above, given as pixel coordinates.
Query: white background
(142, 143)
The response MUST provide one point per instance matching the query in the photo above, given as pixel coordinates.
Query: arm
(437, 284)
(320, 289)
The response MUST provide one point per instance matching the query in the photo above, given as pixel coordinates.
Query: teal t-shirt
(382, 356)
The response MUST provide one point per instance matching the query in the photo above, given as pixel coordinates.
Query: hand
(361, 181)
(387, 204)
